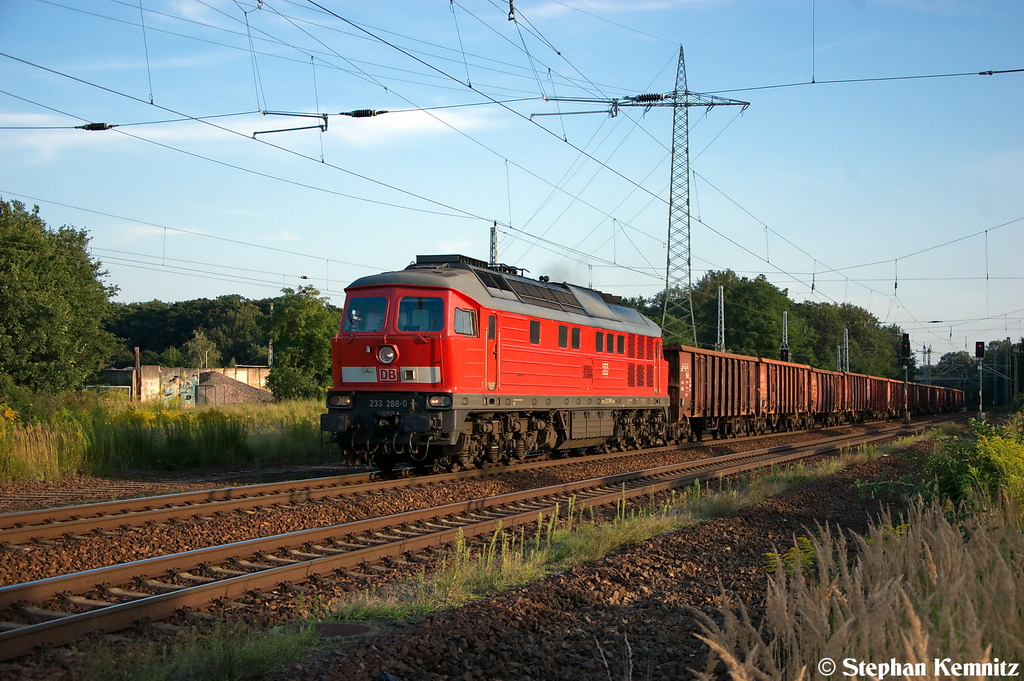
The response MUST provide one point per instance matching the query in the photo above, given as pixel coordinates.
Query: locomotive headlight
(339, 401)
(439, 401)
(387, 354)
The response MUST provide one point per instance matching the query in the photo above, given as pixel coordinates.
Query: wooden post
(137, 380)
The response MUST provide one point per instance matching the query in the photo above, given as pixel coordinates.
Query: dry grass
(933, 588)
(105, 437)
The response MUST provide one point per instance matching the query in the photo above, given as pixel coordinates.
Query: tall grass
(931, 589)
(108, 436)
(230, 651)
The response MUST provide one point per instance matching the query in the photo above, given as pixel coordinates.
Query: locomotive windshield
(418, 313)
(365, 315)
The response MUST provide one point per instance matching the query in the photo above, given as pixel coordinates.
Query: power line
(842, 81)
(931, 248)
(460, 213)
(190, 232)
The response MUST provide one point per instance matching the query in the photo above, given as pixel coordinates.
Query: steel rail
(42, 524)
(83, 519)
(416, 531)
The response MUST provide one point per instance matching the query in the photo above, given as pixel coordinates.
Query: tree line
(59, 327)
(753, 325)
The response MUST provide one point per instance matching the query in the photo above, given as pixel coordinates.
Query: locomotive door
(492, 353)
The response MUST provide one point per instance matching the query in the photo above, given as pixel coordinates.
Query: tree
(753, 314)
(53, 303)
(200, 351)
(172, 357)
(301, 326)
(874, 349)
(234, 324)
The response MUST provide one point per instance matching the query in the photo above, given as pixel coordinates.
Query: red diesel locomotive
(453, 362)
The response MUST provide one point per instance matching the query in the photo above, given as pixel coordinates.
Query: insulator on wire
(653, 97)
(363, 113)
(95, 126)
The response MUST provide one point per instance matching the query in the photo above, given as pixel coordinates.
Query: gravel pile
(217, 389)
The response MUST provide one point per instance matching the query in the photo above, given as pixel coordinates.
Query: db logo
(387, 374)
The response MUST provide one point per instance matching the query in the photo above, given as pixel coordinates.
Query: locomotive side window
(575, 338)
(365, 315)
(492, 327)
(465, 322)
(534, 331)
(419, 313)
(610, 344)
(622, 345)
(563, 336)
(599, 342)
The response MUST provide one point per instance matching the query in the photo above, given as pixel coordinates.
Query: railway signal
(905, 349)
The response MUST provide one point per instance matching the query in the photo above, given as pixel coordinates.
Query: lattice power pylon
(678, 280)
(678, 261)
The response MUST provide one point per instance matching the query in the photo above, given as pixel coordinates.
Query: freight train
(455, 363)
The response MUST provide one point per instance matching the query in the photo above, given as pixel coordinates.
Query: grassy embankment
(92, 435)
(944, 583)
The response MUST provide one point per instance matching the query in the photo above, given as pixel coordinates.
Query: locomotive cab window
(599, 342)
(575, 338)
(622, 345)
(365, 315)
(563, 336)
(465, 322)
(492, 327)
(420, 313)
(534, 331)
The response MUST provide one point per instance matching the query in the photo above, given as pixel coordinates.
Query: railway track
(59, 610)
(77, 522)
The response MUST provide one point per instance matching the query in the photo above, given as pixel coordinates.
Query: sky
(873, 166)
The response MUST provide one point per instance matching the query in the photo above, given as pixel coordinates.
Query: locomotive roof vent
(456, 259)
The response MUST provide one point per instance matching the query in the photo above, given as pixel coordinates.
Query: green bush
(986, 460)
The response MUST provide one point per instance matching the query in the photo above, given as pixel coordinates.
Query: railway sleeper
(114, 592)
(11, 626)
(410, 532)
(249, 565)
(83, 602)
(276, 560)
(186, 576)
(220, 572)
(158, 587)
(32, 612)
(328, 550)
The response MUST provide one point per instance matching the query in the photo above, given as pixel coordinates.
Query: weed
(231, 651)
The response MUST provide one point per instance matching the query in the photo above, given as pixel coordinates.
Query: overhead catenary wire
(797, 241)
(457, 212)
(879, 79)
(190, 232)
